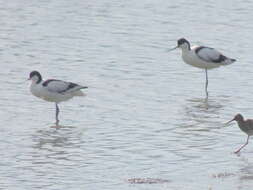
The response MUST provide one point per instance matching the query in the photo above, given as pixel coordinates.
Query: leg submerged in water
(206, 83)
(57, 113)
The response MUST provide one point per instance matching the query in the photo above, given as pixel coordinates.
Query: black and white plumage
(53, 90)
(202, 57)
(61, 87)
(211, 55)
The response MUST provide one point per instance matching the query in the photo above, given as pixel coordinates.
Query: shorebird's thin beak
(173, 48)
(230, 121)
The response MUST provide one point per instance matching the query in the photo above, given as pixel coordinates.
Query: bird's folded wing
(209, 54)
(249, 124)
(58, 86)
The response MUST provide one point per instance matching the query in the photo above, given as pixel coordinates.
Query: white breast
(36, 90)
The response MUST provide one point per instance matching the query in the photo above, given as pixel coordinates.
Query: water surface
(145, 115)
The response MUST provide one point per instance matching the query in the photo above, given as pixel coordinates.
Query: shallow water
(145, 114)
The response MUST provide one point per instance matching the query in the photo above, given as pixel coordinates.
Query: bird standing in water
(53, 90)
(246, 126)
(202, 57)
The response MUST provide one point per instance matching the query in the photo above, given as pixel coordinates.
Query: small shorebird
(53, 90)
(202, 57)
(246, 126)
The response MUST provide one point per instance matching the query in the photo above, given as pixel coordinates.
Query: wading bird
(246, 126)
(53, 90)
(202, 57)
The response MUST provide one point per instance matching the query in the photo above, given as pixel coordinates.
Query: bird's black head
(182, 42)
(35, 76)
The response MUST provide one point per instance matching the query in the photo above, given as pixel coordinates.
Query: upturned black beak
(173, 48)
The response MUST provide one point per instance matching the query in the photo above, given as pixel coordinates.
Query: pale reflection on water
(49, 146)
(55, 137)
(199, 114)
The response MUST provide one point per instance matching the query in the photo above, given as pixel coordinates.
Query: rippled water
(145, 115)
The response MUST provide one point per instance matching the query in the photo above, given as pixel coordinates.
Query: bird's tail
(78, 92)
(232, 60)
(228, 61)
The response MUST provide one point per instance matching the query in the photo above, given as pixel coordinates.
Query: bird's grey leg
(242, 146)
(206, 83)
(57, 113)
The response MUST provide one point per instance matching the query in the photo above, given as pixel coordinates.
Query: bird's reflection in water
(56, 143)
(55, 135)
(200, 120)
(199, 112)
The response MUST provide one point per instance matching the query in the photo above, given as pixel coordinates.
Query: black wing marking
(70, 86)
(210, 54)
(59, 86)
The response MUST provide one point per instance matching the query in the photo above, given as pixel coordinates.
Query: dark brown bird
(246, 126)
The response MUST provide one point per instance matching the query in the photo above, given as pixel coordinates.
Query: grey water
(145, 114)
